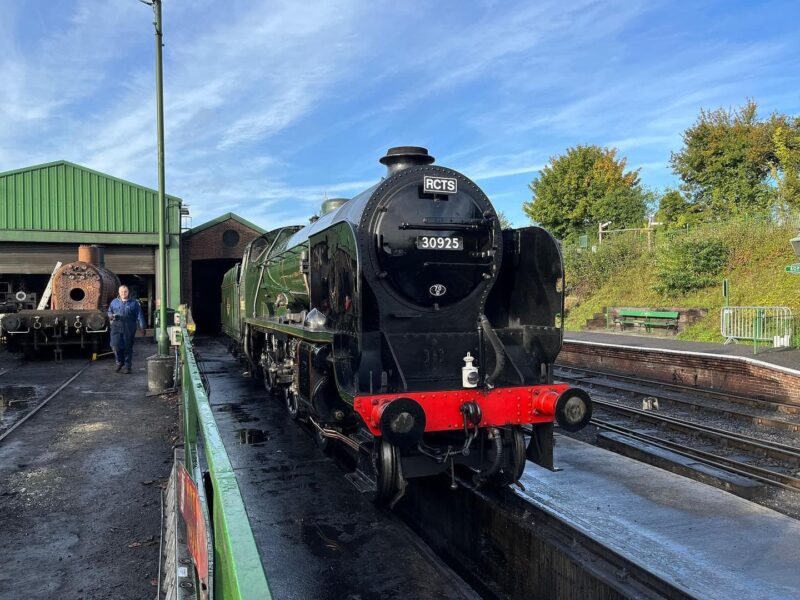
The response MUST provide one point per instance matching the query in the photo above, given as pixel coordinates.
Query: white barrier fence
(772, 324)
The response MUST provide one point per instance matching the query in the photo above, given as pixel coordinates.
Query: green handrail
(238, 571)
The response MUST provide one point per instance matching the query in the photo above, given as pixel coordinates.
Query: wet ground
(709, 543)
(24, 384)
(80, 481)
(318, 537)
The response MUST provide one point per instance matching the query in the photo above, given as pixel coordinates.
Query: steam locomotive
(81, 293)
(407, 325)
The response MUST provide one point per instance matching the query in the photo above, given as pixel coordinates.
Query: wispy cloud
(504, 165)
(65, 66)
(272, 105)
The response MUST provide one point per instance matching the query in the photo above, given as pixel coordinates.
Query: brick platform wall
(727, 374)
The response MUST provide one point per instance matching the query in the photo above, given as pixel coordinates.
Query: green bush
(586, 271)
(687, 264)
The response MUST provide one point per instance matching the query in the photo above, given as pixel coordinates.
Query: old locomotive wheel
(323, 442)
(514, 460)
(268, 383)
(384, 464)
(517, 458)
(292, 404)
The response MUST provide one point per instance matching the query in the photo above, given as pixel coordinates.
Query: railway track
(742, 453)
(730, 439)
(10, 421)
(758, 411)
(721, 462)
(788, 455)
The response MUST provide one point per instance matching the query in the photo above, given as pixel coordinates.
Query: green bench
(661, 319)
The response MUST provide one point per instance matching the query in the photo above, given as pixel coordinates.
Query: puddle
(11, 395)
(237, 412)
(252, 436)
(324, 540)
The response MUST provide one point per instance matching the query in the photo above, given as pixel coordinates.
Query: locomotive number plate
(439, 185)
(436, 242)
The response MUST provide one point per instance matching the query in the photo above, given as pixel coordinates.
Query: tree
(505, 222)
(671, 208)
(675, 211)
(727, 159)
(584, 186)
(786, 173)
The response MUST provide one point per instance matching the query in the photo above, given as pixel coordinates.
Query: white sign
(439, 185)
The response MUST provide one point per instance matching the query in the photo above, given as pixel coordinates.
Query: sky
(272, 106)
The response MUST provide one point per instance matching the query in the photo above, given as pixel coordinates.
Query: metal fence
(758, 324)
(237, 570)
(650, 237)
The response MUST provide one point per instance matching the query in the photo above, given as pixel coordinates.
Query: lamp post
(161, 334)
(159, 366)
(601, 227)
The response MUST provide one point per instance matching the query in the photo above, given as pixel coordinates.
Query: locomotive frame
(371, 335)
(82, 291)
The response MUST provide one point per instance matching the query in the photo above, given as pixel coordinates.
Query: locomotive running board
(305, 333)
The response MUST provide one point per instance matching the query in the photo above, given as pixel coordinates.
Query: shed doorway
(207, 293)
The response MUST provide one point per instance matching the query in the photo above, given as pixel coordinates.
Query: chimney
(101, 255)
(403, 157)
(88, 254)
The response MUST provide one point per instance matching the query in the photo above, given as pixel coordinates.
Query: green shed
(47, 210)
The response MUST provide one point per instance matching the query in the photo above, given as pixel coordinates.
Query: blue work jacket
(128, 312)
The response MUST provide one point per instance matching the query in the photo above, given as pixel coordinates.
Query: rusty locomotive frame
(81, 293)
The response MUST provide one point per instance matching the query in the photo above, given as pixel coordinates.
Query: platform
(80, 507)
(317, 536)
(706, 541)
(788, 358)
(772, 374)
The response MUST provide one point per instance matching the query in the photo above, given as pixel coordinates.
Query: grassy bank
(624, 273)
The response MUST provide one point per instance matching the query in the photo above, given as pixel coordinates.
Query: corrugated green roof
(64, 197)
(222, 218)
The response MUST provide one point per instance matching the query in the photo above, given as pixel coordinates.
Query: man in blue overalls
(124, 313)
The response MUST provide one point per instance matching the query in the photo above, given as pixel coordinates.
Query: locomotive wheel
(513, 472)
(323, 442)
(292, 404)
(514, 460)
(384, 463)
(269, 386)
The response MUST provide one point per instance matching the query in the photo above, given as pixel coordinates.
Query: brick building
(207, 252)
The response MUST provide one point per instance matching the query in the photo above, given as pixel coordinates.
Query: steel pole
(161, 334)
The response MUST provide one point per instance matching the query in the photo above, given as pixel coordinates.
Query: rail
(730, 439)
(767, 324)
(236, 571)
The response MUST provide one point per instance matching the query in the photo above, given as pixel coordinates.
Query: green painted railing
(237, 569)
